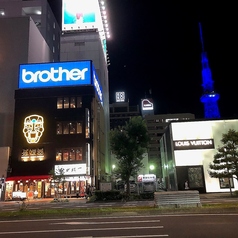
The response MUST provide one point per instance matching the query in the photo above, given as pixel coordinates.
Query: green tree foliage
(129, 143)
(225, 163)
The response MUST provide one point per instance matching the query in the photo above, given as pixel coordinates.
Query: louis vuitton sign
(193, 144)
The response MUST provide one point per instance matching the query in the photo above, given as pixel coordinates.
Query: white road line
(103, 222)
(81, 229)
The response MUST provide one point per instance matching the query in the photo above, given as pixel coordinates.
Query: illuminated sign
(193, 144)
(81, 15)
(147, 104)
(85, 15)
(97, 86)
(55, 74)
(36, 154)
(120, 96)
(71, 169)
(146, 178)
(33, 128)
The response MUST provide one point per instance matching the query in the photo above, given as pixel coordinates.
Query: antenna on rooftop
(201, 38)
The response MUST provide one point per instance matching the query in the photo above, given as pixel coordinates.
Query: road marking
(81, 229)
(104, 222)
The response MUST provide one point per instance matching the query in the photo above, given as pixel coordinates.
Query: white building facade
(187, 149)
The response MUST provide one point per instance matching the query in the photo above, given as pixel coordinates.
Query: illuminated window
(72, 102)
(69, 102)
(59, 128)
(59, 103)
(59, 155)
(224, 183)
(79, 154)
(66, 102)
(65, 128)
(69, 154)
(72, 127)
(79, 127)
(72, 154)
(65, 155)
(87, 124)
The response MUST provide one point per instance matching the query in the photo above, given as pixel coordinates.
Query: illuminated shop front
(187, 149)
(58, 112)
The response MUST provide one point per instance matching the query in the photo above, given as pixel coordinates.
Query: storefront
(187, 149)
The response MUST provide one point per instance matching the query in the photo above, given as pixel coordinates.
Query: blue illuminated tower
(209, 97)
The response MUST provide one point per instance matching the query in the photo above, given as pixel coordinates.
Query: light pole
(152, 167)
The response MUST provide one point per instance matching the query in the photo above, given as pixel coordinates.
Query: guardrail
(177, 198)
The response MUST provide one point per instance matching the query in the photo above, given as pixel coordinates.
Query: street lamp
(152, 167)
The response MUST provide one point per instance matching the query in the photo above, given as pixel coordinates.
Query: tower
(209, 97)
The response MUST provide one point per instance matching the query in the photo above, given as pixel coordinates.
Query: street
(179, 226)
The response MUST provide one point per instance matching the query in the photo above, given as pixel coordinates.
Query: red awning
(30, 177)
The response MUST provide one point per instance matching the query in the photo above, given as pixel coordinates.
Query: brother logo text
(53, 74)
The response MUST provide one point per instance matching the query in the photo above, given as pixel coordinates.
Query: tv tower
(209, 97)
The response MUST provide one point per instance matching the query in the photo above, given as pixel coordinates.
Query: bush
(107, 195)
(236, 193)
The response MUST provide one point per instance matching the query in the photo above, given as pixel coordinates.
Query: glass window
(79, 154)
(224, 183)
(72, 102)
(59, 128)
(72, 127)
(79, 102)
(59, 103)
(79, 127)
(66, 102)
(65, 128)
(87, 123)
(65, 155)
(58, 155)
(72, 154)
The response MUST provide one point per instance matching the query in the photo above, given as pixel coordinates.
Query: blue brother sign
(55, 74)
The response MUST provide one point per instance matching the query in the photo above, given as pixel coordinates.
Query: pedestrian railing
(177, 198)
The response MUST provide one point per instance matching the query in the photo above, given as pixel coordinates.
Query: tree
(58, 177)
(225, 163)
(129, 143)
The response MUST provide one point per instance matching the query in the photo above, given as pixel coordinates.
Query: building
(157, 125)
(187, 149)
(32, 26)
(57, 126)
(121, 111)
(82, 107)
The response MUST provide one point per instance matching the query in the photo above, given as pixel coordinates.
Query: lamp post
(152, 167)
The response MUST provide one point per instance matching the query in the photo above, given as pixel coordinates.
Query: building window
(87, 123)
(79, 102)
(59, 103)
(224, 182)
(66, 102)
(72, 102)
(69, 102)
(72, 127)
(69, 154)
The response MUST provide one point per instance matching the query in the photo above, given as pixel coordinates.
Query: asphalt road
(152, 226)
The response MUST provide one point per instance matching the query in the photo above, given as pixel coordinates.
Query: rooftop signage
(55, 74)
(193, 144)
(81, 15)
(120, 96)
(147, 104)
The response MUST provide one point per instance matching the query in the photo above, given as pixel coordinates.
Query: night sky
(155, 48)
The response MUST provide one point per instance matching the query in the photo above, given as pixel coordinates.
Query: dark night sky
(156, 45)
